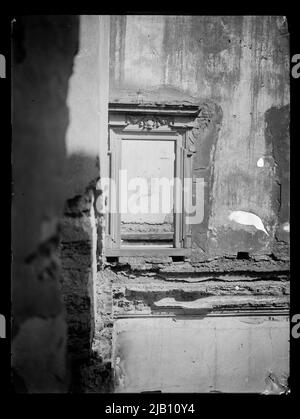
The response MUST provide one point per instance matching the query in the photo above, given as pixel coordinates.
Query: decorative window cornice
(159, 116)
(149, 122)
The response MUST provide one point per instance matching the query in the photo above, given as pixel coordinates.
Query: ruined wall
(43, 52)
(78, 260)
(241, 64)
(59, 107)
(80, 228)
(212, 326)
(237, 70)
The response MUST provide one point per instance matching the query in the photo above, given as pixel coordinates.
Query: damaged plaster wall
(43, 52)
(278, 147)
(237, 70)
(237, 307)
(202, 355)
(218, 61)
(201, 144)
(80, 226)
(78, 260)
(242, 64)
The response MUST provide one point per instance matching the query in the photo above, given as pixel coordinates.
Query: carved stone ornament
(204, 117)
(149, 122)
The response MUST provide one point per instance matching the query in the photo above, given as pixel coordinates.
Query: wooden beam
(144, 236)
(139, 251)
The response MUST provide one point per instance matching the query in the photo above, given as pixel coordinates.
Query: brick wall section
(87, 298)
(77, 253)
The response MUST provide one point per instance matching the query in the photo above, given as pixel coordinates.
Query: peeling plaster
(286, 227)
(276, 384)
(211, 302)
(260, 162)
(247, 218)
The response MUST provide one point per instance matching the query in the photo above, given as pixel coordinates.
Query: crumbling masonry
(213, 320)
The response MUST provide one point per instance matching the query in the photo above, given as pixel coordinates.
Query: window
(149, 162)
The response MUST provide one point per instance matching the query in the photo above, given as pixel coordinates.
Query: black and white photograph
(150, 206)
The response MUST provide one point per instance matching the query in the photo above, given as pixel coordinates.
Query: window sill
(155, 251)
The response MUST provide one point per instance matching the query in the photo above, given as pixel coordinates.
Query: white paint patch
(260, 162)
(286, 227)
(247, 218)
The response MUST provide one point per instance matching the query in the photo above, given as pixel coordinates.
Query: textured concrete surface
(213, 354)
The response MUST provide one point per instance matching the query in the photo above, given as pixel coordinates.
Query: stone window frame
(157, 122)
